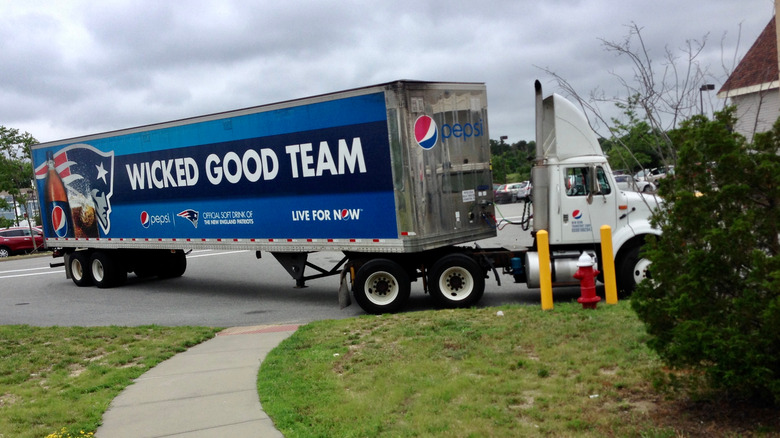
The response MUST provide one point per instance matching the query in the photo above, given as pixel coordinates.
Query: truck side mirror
(593, 184)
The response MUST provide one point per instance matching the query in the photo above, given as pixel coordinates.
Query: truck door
(584, 211)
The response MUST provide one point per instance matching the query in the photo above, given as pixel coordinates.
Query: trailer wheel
(145, 270)
(456, 281)
(107, 271)
(172, 264)
(80, 272)
(381, 286)
(633, 270)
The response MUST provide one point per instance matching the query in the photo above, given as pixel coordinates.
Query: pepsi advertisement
(315, 171)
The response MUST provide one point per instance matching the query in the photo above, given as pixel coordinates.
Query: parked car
(17, 240)
(629, 183)
(654, 175)
(659, 174)
(513, 192)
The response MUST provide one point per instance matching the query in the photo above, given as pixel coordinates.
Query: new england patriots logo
(88, 174)
(191, 215)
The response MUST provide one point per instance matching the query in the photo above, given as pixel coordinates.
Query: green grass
(465, 373)
(65, 377)
(452, 373)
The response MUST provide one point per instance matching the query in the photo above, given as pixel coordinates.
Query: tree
(511, 161)
(16, 165)
(659, 95)
(713, 304)
(634, 143)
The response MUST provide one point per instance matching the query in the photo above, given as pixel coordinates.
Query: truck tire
(107, 270)
(145, 269)
(456, 281)
(632, 270)
(80, 271)
(172, 264)
(381, 286)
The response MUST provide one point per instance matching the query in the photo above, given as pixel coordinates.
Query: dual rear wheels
(109, 268)
(456, 281)
(384, 285)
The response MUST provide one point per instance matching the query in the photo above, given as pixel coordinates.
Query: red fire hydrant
(587, 277)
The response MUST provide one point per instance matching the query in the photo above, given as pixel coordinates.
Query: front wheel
(456, 281)
(381, 286)
(633, 269)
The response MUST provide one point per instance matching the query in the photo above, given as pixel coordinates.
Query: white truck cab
(575, 194)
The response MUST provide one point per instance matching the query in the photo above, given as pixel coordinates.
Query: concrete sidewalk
(209, 390)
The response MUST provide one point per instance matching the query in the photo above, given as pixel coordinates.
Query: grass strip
(465, 373)
(62, 379)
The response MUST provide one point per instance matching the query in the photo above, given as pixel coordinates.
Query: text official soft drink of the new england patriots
(60, 220)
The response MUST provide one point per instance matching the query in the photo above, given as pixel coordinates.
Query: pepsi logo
(426, 132)
(59, 221)
(576, 214)
(344, 213)
(146, 220)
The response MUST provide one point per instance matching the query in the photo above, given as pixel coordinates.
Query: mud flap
(344, 299)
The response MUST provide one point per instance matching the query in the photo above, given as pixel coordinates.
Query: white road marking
(61, 271)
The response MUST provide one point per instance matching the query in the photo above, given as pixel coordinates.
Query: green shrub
(713, 304)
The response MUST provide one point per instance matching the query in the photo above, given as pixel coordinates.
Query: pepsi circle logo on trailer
(146, 220)
(426, 132)
(59, 221)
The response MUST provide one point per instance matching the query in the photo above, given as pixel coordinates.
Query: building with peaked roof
(754, 86)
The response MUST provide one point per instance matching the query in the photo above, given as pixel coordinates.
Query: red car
(17, 240)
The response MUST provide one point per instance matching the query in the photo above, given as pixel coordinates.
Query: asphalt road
(220, 288)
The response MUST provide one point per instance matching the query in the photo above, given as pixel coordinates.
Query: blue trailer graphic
(314, 171)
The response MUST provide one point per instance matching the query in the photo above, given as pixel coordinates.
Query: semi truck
(396, 177)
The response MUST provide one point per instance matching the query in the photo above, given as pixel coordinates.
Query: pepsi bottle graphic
(60, 221)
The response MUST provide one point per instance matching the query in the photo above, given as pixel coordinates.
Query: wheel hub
(455, 282)
(641, 270)
(381, 287)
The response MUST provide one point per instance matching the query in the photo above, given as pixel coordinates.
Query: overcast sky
(79, 67)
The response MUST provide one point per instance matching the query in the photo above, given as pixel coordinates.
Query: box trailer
(397, 168)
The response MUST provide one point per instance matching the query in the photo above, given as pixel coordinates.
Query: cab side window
(577, 181)
(603, 181)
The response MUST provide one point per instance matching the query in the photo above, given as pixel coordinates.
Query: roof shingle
(759, 66)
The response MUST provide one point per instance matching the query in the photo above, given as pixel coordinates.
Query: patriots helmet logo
(191, 215)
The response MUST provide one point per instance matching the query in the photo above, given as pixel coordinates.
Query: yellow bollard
(545, 279)
(608, 264)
